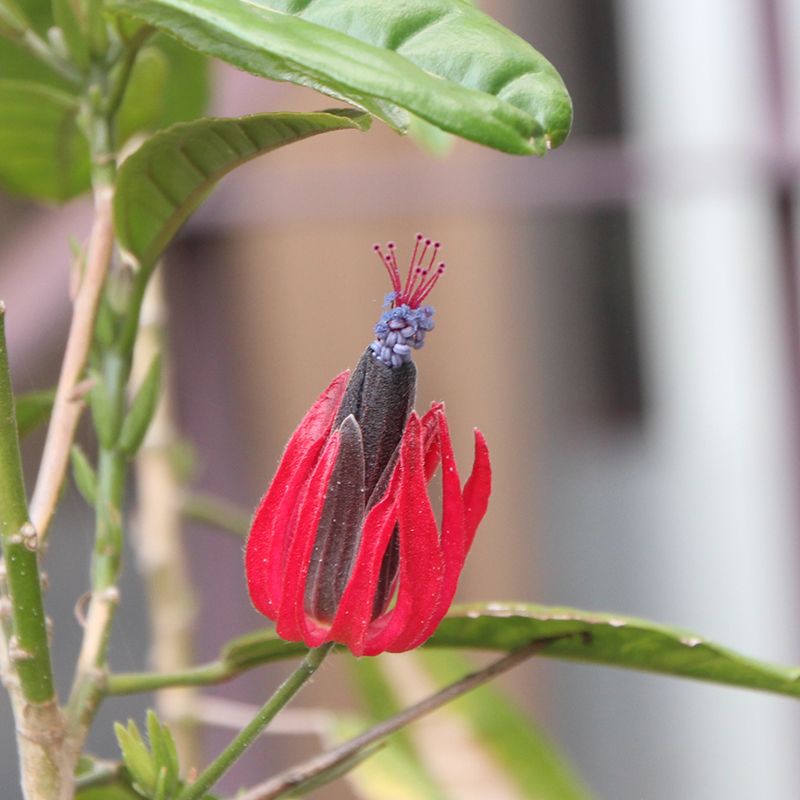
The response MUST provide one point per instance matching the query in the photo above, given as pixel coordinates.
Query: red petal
(477, 488)
(430, 444)
(289, 622)
(454, 531)
(271, 529)
(421, 565)
(355, 607)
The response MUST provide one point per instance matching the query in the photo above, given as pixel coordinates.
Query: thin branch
(330, 762)
(138, 682)
(237, 657)
(283, 694)
(66, 408)
(125, 67)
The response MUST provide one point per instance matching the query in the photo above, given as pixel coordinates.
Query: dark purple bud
(380, 398)
(370, 421)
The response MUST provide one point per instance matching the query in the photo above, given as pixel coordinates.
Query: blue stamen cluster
(399, 330)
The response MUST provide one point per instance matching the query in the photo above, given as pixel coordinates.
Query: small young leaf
(136, 757)
(33, 408)
(160, 791)
(84, 475)
(140, 414)
(105, 326)
(168, 177)
(165, 754)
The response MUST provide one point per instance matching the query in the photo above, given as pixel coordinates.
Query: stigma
(405, 322)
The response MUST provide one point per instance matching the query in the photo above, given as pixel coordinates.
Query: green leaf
(114, 791)
(18, 64)
(69, 16)
(610, 639)
(442, 60)
(33, 408)
(592, 637)
(168, 84)
(160, 185)
(84, 475)
(39, 12)
(13, 22)
(103, 780)
(186, 89)
(432, 139)
(97, 28)
(165, 754)
(140, 414)
(105, 325)
(143, 105)
(527, 756)
(136, 757)
(43, 154)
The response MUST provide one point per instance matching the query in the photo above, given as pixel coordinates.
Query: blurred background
(619, 318)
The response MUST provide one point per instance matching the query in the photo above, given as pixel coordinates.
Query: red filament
(421, 276)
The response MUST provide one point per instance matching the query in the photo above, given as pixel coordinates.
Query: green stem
(139, 682)
(98, 125)
(90, 676)
(89, 685)
(29, 651)
(130, 325)
(125, 67)
(24, 649)
(285, 692)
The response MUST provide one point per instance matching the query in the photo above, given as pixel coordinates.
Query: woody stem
(25, 665)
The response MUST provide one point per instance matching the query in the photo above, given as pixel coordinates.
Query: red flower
(345, 545)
